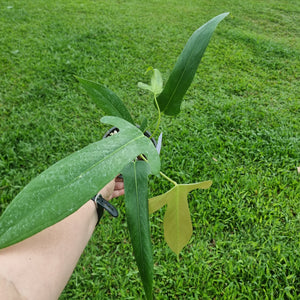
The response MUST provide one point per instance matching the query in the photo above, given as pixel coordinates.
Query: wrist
(102, 204)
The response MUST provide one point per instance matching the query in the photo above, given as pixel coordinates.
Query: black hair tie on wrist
(102, 204)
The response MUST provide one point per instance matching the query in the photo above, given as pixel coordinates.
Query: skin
(40, 266)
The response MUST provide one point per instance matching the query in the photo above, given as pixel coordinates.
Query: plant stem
(161, 173)
(168, 178)
(159, 117)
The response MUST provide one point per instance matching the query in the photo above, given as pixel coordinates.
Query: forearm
(40, 266)
(9, 291)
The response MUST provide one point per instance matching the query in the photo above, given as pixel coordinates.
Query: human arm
(40, 266)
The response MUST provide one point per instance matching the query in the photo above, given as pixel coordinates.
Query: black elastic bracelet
(102, 204)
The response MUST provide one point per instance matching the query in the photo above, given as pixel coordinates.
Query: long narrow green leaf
(186, 66)
(68, 184)
(136, 199)
(106, 100)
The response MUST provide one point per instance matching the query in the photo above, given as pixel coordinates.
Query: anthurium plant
(49, 197)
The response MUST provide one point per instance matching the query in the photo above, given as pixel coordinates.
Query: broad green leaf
(106, 100)
(67, 185)
(156, 83)
(186, 66)
(136, 199)
(177, 221)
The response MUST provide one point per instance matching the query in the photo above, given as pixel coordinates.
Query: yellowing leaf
(177, 221)
(157, 202)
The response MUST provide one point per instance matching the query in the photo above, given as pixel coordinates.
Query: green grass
(239, 127)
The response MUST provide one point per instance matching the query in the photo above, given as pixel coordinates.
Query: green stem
(161, 173)
(168, 178)
(159, 117)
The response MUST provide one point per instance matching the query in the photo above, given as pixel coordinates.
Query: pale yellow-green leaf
(177, 221)
(145, 86)
(158, 202)
(156, 82)
(156, 86)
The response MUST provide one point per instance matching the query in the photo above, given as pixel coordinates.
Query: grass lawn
(240, 127)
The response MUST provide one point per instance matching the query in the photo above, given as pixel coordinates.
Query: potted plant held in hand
(49, 197)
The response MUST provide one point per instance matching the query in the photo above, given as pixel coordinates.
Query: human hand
(113, 189)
